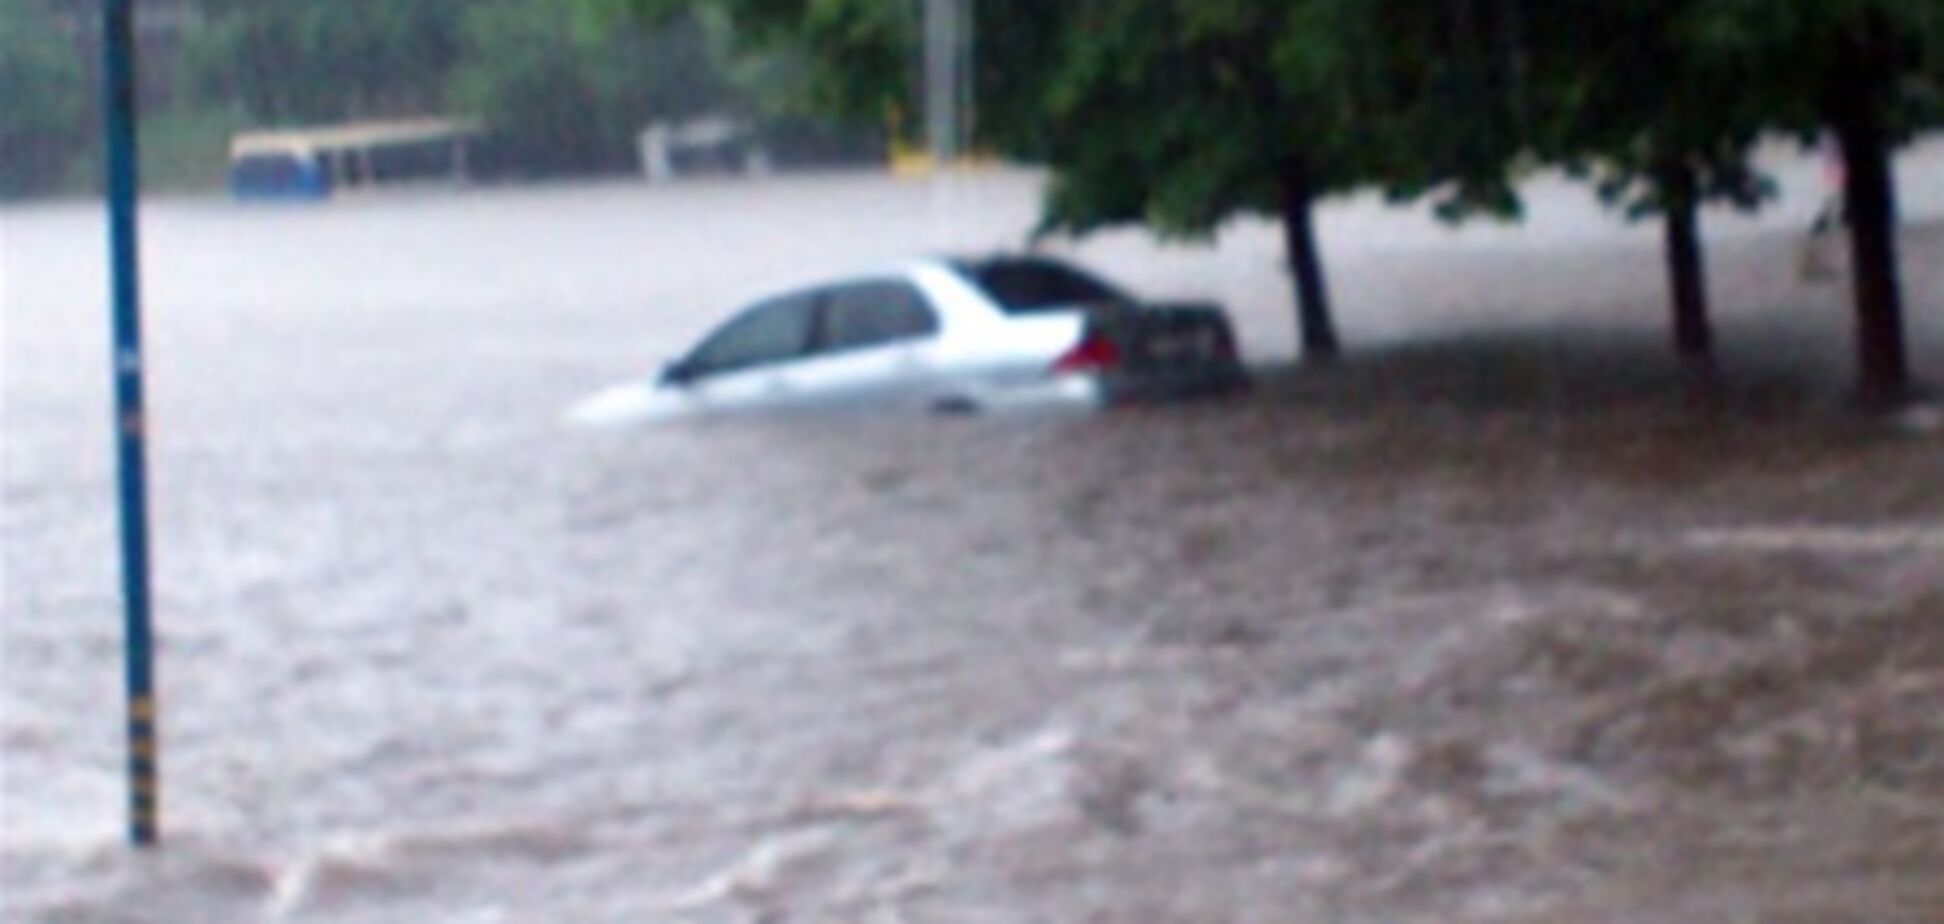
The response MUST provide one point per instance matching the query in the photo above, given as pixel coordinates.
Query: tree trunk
(1318, 331)
(1869, 203)
(1687, 277)
(1869, 198)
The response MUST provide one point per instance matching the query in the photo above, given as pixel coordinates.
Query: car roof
(956, 262)
(907, 268)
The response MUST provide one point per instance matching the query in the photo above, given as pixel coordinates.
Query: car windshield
(771, 332)
(1027, 286)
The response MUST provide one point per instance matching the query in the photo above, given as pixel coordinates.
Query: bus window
(276, 176)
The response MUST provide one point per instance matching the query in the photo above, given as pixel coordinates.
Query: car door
(871, 347)
(743, 365)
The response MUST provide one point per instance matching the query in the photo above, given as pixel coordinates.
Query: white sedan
(942, 336)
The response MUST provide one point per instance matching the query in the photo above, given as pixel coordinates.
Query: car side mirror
(678, 373)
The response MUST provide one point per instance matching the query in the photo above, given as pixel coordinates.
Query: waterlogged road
(1503, 621)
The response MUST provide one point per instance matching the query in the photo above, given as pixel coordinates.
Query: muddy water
(1506, 621)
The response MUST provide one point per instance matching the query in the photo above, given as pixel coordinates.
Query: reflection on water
(1525, 626)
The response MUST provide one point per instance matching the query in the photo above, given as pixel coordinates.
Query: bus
(311, 164)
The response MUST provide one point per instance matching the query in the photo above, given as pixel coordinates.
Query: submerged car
(944, 336)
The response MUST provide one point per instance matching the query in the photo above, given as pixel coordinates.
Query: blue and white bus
(317, 163)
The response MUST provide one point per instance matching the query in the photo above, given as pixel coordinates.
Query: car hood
(623, 405)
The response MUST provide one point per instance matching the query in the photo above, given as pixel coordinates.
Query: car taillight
(1095, 353)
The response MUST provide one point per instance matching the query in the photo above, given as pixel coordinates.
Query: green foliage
(1181, 113)
(293, 61)
(1795, 57)
(560, 89)
(846, 59)
(522, 68)
(1215, 145)
(1629, 94)
(563, 94)
(186, 149)
(1175, 113)
(1631, 90)
(41, 131)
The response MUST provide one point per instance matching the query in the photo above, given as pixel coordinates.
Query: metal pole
(118, 80)
(943, 20)
(966, 77)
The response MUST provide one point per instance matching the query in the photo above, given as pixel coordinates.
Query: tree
(298, 61)
(522, 73)
(1879, 79)
(1871, 73)
(1662, 100)
(558, 91)
(1182, 113)
(1621, 90)
(41, 131)
(561, 94)
(849, 60)
(1175, 114)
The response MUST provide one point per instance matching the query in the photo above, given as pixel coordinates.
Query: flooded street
(1506, 619)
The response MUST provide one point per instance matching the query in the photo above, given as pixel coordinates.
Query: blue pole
(118, 80)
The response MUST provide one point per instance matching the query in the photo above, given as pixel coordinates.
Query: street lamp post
(948, 78)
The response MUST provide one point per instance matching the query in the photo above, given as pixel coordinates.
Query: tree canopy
(565, 95)
(293, 62)
(40, 81)
(561, 89)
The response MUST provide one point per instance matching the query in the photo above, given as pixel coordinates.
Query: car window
(770, 332)
(1024, 286)
(874, 314)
